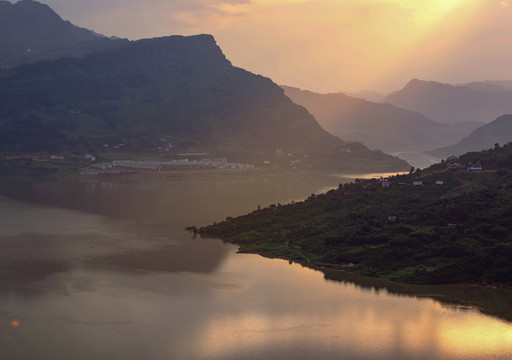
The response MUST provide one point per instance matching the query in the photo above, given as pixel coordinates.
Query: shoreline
(176, 174)
(487, 299)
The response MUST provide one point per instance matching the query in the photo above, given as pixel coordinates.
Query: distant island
(449, 223)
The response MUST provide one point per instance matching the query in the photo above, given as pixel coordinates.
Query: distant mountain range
(31, 31)
(367, 95)
(498, 131)
(379, 126)
(475, 102)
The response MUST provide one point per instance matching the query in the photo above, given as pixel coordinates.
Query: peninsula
(449, 223)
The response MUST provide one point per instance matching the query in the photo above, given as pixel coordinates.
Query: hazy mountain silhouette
(453, 104)
(380, 126)
(182, 88)
(488, 87)
(31, 31)
(503, 83)
(367, 95)
(497, 131)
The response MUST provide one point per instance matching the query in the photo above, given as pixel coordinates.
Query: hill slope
(452, 104)
(379, 126)
(497, 131)
(181, 88)
(31, 31)
(453, 227)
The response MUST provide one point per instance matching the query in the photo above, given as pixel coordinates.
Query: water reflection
(104, 269)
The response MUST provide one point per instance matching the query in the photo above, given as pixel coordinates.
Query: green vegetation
(454, 228)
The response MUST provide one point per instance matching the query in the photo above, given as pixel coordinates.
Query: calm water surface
(94, 269)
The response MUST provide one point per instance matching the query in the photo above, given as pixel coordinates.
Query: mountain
(31, 31)
(180, 89)
(498, 131)
(367, 95)
(487, 87)
(379, 126)
(503, 83)
(452, 104)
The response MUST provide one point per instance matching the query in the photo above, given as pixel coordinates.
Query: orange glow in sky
(327, 45)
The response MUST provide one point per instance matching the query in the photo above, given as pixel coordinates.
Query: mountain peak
(418, 84)
(34, 8)
(31, 31)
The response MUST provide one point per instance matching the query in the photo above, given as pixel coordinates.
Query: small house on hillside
(451, 162)
(384, 182)
(475, 166)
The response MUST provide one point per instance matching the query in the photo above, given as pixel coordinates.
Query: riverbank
(173, 174)
(487, 299)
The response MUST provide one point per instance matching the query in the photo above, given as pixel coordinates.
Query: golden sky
(327, 45)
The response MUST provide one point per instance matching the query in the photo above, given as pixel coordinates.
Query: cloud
(325, 45)
(136, 19)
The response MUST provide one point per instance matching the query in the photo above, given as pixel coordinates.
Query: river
(103, 269)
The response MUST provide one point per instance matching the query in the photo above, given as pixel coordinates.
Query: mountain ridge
(451, 104)
(31, 31)
(498, 131)
(175, 86)
(378, 125)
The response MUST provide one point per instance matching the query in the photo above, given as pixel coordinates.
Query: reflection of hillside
(194, 255)
(490, 301)
(26, 278)
(38, 242)
(16, 279)
(180, 201)
(140, 226)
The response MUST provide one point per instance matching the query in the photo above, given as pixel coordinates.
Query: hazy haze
(326, 45)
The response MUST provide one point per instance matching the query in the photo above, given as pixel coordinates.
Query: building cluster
(451, 163)
(153, 165)
(475, 165)
(386, 183)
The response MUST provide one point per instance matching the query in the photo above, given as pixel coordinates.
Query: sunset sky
(326, 45)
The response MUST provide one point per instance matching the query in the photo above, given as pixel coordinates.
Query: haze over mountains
(498, 131)
(450, 104)
(380, 126)
(31, 31)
